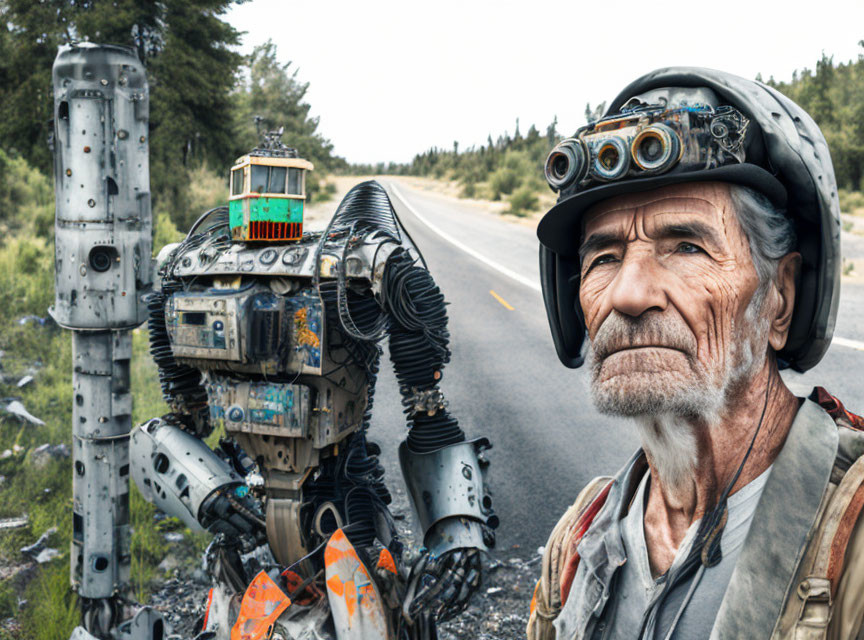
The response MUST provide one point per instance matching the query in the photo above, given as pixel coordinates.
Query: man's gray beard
(667, 416)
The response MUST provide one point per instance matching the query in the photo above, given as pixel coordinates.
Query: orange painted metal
(207, 609)
(262, 605)
(386, 562)
(357, 607)
(308, 596)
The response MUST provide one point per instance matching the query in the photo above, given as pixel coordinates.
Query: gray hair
(769, 231)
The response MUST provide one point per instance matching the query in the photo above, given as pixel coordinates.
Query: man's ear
(784, 293)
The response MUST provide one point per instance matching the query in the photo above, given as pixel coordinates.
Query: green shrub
(207, 189)
(523, 201)
(503, 181)
(851, 202)
(317, 190)
(26, 198)
(164, 231)
(469, 189)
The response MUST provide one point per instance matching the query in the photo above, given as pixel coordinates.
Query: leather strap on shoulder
(560, 549)
(816, 592)
(834, 408)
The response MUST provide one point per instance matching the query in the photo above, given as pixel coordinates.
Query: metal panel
(102, 187)
(267, 408)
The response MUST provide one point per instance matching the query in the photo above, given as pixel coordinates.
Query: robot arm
(444, 472)
(186, 479)
(447, 489)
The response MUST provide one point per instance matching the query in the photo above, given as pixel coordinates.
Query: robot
(270, 337)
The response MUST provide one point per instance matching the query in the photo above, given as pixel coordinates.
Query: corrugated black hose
(419, 348)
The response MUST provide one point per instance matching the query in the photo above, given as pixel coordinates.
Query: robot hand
(230, 511)
(442, 586)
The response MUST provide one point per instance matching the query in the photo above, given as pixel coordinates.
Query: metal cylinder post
(103, 267)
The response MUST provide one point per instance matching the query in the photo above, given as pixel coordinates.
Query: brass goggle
(648, 140)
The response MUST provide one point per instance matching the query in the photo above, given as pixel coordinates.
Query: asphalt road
(505, 381)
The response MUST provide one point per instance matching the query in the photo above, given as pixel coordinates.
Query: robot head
(268, 189)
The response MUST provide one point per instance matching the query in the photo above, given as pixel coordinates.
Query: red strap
(834, 408)
(841, 538)
(579, 529)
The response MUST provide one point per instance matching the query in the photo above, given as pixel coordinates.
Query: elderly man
(696, 243)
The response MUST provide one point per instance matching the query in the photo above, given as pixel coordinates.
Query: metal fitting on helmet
(687, 124)
(447, 489)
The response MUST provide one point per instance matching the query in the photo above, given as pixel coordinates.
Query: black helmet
(687, 124)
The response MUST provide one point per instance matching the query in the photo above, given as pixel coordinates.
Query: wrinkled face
(666, 280)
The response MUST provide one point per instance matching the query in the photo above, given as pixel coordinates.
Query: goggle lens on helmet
(648, 140)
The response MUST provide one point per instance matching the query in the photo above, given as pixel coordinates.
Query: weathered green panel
(235, 213)
(275, 209)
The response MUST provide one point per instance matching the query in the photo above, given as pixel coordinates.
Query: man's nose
(638, 286)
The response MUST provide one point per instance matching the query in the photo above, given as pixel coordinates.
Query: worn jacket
(800, 574)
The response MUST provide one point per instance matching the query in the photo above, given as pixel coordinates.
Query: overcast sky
(389, 79)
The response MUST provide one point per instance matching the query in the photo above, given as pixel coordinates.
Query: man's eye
(604, 259)
(687, 247)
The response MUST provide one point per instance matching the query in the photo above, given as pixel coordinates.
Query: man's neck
(720, 450)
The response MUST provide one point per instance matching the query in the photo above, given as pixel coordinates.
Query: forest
(203, 93)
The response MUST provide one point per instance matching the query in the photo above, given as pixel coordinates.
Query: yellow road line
(850, 344)
(503, 302)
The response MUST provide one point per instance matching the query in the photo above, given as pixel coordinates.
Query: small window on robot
(277, 180)
(294, 182)
(193, 317)
(260, 175)
(236, 182)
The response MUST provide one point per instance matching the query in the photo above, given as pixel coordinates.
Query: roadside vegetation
(508, 169)
(36, 480)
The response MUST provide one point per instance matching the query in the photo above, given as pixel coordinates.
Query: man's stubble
(669, 406)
